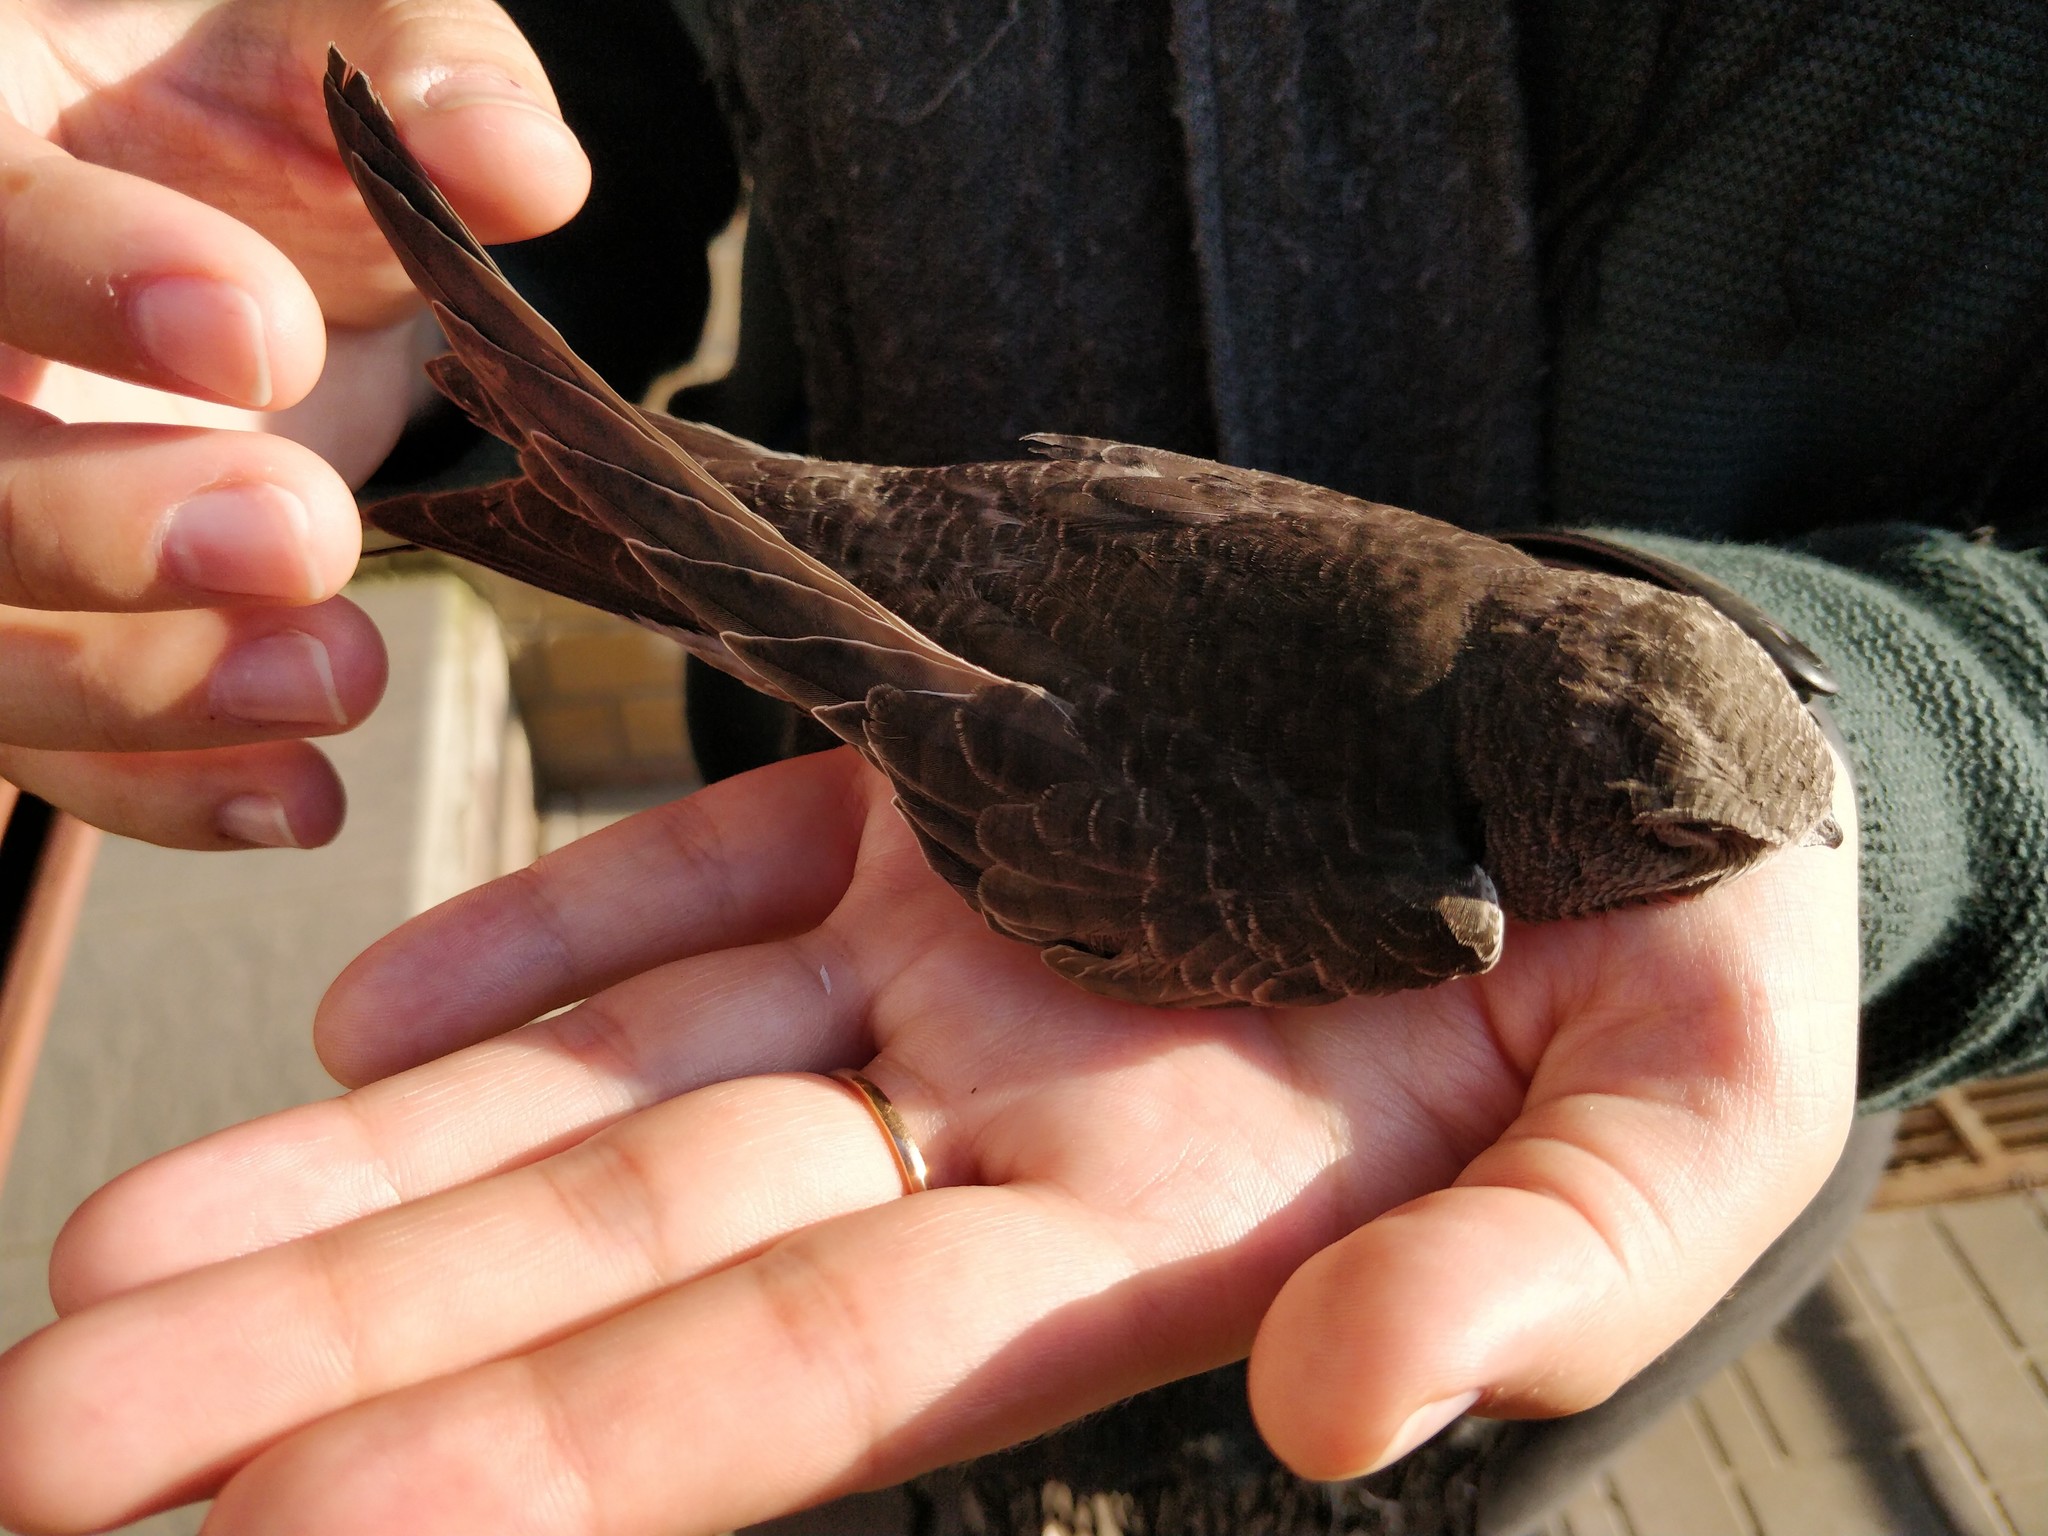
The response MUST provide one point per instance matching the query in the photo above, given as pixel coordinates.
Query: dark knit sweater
(1798, 280)
(1762, 284)
(1770, 274)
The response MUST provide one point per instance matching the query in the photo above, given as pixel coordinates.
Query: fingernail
(483, 88)
(1420, 1425)
(285, 678)
(205, 332)
(257, 820)
(248, 540)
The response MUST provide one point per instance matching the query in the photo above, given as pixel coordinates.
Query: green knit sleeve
(1941, 647)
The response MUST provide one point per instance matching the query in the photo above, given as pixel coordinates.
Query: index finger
(115, 274)
(750, 859)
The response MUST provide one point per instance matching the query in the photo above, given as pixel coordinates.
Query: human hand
(203, 342)
(619, 1270)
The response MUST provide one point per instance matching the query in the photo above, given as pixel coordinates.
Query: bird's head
(1623, 744)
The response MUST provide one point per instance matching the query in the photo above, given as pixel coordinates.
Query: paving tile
(1995, 1404)
(1592, 1512)
(1954, 1487)
(1794, 1400)
(1908, 1264)
(1846, 1292)
(1856, 1350)
(1668, 1484)
(1873, 1496)
(2005, 1243)
(2026, 1506)
(1740, 1426)
(165, 1030)
(1822, 1394)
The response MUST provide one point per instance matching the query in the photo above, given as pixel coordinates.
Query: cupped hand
(203, 342)
(635, 1268)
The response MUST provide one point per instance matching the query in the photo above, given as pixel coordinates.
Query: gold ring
(909, 1161)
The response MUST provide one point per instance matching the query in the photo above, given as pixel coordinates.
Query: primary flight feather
(1203, 735)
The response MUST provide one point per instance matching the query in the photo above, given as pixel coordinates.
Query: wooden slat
(1927, 1146)
(1975, 1140)
(1931, 1183)
(35, 963)
(2019, 1097)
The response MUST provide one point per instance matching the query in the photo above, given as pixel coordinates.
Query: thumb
(1498, 1300)
(1680, 1117)
(468, 95)
(471, 101)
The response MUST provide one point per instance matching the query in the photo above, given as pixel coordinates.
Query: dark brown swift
(1204, 735)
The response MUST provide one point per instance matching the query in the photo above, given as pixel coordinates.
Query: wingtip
(346, 84)
(347, 88)
(342, 88)
(334, 84)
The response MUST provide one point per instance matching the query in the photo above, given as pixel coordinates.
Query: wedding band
(909, 1161)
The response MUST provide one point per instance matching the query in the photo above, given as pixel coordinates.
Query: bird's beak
(1826, 833)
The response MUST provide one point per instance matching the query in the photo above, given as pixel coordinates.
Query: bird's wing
(583, 446)
(1208, 883)
(1186, 858)
(1148, 861)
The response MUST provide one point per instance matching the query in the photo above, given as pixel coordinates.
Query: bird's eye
(1679, 831)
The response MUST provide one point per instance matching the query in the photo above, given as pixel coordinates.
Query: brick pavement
(1907, 1397)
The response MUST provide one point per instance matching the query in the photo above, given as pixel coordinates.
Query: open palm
(633, 1268)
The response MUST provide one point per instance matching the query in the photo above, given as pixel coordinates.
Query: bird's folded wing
(1194, 888)
(514, 528)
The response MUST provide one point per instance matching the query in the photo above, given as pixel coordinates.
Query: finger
(437, 1286)
(201, 678)
(467, 92)
(852, 1355)
(472, 101)
(703, 873)
(500, 1105)
(804, 1003)
(277, 794)
(116, 274)
(1662, 1147)
(108, 517)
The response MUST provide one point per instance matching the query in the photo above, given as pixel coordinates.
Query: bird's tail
(608, 496)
